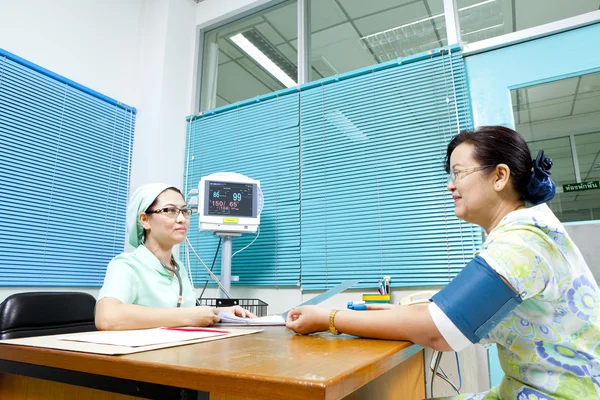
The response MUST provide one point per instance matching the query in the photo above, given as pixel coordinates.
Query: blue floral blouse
(549, 346)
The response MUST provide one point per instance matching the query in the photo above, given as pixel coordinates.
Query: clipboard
(325, 295)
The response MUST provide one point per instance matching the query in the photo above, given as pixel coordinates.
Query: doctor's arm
(112, 314)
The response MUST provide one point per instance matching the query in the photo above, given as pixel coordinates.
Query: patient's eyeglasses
(457, 174)
(172, 212)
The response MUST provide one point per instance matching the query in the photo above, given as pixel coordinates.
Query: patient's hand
(308, 319)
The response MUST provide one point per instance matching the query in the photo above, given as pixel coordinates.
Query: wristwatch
(332, 322)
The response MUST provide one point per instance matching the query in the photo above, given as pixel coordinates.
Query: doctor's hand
(308, 319)
(201, 316)
(238, 312)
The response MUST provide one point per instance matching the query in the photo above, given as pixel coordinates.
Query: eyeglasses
(457, 175)
(172, 212)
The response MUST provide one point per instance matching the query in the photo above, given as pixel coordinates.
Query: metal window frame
(452, 22)
(536, 32)
(452, 32)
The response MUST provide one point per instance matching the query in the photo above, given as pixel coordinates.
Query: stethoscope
(175, 271)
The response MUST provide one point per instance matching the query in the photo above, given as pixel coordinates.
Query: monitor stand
(226, 261)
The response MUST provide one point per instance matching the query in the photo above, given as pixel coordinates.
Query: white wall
(210, 12)
(94, 43)
(140, 52)
(165, 71)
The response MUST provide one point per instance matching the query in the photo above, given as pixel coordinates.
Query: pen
(386, 280)
(357, 305)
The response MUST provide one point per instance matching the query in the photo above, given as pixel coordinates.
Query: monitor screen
(227, 198)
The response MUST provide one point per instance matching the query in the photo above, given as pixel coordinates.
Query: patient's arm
(413, 323)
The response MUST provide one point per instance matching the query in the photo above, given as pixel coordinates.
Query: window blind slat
(374, 199)
(262, 142)
(355, 169)
(64, 178)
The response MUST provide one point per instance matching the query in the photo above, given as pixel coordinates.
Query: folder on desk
(145, 337)
(65, 342)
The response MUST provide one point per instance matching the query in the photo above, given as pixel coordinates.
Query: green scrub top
(139, 278)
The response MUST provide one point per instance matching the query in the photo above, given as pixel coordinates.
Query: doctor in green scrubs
(148, 287)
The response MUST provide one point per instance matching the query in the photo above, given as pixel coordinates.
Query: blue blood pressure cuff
(477, 300)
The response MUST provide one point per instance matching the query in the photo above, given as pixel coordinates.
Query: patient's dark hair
(495, 145)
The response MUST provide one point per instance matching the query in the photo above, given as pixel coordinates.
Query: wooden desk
(274, 364)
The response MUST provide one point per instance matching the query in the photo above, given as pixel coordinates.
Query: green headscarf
(138, 203)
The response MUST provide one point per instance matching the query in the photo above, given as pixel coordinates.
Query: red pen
(192, 329)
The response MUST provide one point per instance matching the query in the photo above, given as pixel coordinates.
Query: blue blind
(374, 198)
(364, 193)
(261, 141)
(64, 174)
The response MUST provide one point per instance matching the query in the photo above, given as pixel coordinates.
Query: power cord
(435, 365)
(211, 268)
(245, 247)
(208, 270)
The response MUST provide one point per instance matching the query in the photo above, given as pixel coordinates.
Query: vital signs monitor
(229, 202)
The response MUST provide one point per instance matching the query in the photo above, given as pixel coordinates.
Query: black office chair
(46, 313)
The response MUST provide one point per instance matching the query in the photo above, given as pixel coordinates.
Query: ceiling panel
(229, 49)
(237, 26)
(285, 20)
(270, 34)
(524, 117)
(589, 139)
(289, 52)
(402, 31)
(391, 19)
(221, 102)
(341, 49)
(359, 8)
(553, 90)
(588, 153)
(550, 109)
(325, 13)
(481, 20)
(234, 83)
(435, 6)
(590, 83)
(587, 103)
(223, 58)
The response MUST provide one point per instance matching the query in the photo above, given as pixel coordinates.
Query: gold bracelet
(332, 322)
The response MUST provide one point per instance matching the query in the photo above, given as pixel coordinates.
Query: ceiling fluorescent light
(264, 61)
(424, 20)
(476, 5)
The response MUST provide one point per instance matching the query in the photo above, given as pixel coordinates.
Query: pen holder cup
(255, 306)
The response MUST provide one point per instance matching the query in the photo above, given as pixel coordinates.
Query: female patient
(528, 290)
(148, 288)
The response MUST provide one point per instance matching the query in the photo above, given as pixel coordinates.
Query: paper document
(146, 337)
(230, 319)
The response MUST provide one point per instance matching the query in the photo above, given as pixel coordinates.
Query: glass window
(563, 119)
(250, 57)
(351, 34)
(483, 19)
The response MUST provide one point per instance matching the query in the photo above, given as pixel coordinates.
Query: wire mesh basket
(255, 306)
